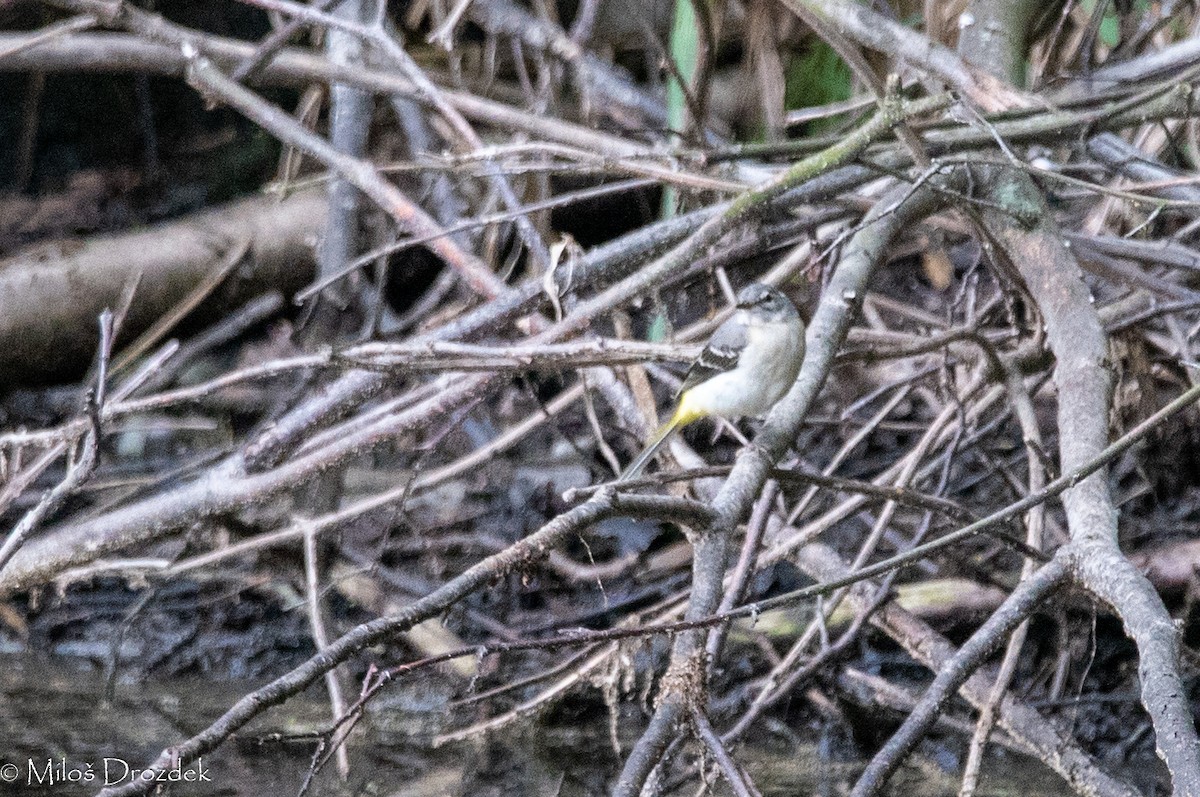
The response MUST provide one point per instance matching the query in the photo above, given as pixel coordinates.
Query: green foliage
(660, 327)
(1110, 30)
(816, 77)
(1110, 26)
(685, 54)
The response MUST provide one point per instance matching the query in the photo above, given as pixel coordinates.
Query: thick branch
(828, 329)
(1024, 227)
(50, 294)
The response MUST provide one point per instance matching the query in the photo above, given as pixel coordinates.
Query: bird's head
(765, 302)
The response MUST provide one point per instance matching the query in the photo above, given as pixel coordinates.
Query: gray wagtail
(749, 363)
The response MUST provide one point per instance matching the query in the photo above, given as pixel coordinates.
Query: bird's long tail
(683, 415)
(656, 442)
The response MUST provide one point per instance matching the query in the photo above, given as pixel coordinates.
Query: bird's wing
(720, 355)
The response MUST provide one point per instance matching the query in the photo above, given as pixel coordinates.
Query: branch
(50, 294)
(873, 30)
(362, 174)
(1015, 609)
(1083, 378)
(828, 329)
(532, 548)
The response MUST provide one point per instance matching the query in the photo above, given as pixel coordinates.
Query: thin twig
(82, 468)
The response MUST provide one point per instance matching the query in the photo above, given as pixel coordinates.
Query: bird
(750, 362)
